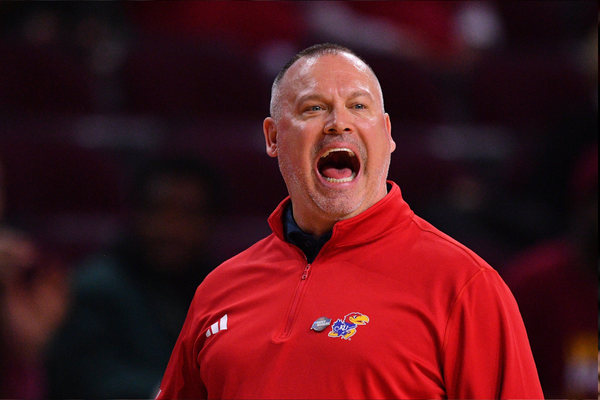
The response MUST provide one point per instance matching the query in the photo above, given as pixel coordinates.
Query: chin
(338, 208)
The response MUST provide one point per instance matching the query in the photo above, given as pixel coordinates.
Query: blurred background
(494, 109)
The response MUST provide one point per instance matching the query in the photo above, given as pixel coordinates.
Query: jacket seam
(453, 309)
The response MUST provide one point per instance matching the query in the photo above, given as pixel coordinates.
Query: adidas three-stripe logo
(221, 325)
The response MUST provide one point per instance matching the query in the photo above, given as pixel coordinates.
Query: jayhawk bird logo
(346, 328)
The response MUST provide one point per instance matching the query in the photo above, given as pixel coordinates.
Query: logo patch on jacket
(346, 328)
(218, 326)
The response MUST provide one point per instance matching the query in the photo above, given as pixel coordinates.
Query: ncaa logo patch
(346, 328)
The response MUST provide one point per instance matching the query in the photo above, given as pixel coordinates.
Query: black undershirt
(309, 244)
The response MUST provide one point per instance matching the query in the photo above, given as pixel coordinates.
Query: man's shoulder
(244, 273)
(257, 250)
(260, 253)
(451, 253)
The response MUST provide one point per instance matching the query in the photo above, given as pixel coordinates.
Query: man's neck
(309, 244)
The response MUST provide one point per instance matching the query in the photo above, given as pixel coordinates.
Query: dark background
(489, 121)
(493, 105)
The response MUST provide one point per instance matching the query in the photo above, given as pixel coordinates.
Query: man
(352, 296)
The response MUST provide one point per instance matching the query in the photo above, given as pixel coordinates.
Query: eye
(314, 108)
(359, 106)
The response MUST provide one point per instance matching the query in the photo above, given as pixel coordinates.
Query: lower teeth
(343, 180)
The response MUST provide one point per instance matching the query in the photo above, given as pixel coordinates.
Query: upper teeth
(328, 152)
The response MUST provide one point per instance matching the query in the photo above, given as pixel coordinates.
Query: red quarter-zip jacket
(412, 314)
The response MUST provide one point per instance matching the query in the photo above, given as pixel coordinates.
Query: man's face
(332, 139)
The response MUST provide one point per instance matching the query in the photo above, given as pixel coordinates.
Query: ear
(388, 127)
(270, 131)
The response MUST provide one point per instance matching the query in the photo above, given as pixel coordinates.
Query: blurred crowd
(132, 163)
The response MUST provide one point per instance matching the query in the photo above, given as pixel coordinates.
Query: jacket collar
(374, 222)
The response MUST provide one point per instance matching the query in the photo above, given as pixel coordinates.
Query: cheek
(295, 148)
(378, 154)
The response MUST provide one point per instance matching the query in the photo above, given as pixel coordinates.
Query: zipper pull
(305, 274)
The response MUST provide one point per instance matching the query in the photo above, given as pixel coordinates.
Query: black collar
(309, 244)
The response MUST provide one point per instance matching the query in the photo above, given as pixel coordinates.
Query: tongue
(335, 173)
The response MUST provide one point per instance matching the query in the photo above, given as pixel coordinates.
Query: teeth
(344, 180)
(328, 152)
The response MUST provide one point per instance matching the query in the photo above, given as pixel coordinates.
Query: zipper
(306, 271)
(300, 288)
(295, 302)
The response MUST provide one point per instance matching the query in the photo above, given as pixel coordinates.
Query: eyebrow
(309, 97)
(317, 96)
(360, 93)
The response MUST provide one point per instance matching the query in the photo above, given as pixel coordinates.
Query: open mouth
(338, 165)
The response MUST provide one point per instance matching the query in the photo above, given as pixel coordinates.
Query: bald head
(314, 52)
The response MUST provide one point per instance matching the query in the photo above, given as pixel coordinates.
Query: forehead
(338, 72)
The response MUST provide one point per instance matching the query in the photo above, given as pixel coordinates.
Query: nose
(338, 121)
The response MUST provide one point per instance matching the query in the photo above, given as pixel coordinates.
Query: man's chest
(352, 334)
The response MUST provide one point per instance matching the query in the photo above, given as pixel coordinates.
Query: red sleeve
(182, 376)
(486, 352)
